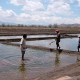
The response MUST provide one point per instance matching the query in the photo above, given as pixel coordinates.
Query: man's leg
(57, 45)
(23, 52)
(78, 48)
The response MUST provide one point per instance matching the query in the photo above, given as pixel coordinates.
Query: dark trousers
(23, 52)
(78, 47)
(57, 44)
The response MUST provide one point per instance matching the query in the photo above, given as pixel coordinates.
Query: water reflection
(39, 61)
(22, 70)
(67, 44)
(78, 57)
(57, 58)
(22, 67)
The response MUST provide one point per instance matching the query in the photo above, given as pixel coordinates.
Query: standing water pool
(36, 62)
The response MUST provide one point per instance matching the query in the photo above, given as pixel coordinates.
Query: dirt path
(71, 72)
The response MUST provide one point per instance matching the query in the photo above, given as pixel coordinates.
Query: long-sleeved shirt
(23, 44)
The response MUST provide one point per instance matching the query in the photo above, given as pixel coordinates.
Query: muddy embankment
(10, 31)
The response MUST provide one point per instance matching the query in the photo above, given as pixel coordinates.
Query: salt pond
(37, 61)
(68, 43)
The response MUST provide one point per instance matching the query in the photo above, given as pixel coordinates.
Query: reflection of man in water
(22, 67)
(22, 70)
(58, 39)
(78, 57)
(57, 60)
(23, 45)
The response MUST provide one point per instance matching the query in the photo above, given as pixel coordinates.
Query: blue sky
(38, 12)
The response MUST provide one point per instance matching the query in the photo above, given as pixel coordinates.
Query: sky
(40, 12)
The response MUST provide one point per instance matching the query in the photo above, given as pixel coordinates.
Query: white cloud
(35, 11)
(72, 1)
(17, 2)
(55, 7)
(40, 18)
(21, 2)
(78, 2)
(77, 20)
(24, 18)
(59, 7)
(10, 13)
(69, 1)
(7, 15)
(28, 17)
(33, 6)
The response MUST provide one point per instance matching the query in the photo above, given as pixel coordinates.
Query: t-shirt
(23, 44)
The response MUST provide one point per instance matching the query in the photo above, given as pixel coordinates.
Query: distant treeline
(48, 26)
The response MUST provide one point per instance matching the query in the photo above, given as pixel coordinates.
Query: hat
(57, 31)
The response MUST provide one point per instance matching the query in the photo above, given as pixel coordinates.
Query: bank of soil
(36, 31)
(71, 72)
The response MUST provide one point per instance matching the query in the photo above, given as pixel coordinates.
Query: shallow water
(67, 44)
(37, 62)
